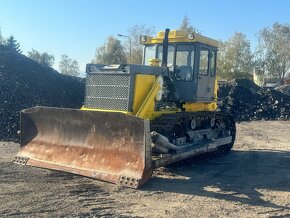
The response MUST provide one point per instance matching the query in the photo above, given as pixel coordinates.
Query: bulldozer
(135, 118)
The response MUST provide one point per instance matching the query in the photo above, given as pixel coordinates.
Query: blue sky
(77, 28)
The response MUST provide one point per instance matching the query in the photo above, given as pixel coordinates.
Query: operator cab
(191, 60)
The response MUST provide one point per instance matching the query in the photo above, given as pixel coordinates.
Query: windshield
(150, 52)
(170, 54)
(184, 62)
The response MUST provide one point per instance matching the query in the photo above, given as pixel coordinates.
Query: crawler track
(177, 125)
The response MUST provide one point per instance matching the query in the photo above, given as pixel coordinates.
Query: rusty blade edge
(87, 173)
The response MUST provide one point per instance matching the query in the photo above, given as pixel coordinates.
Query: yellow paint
(146, 110)
(143, 85)
(199, 106)
(103, 110)
(149, 103)
(181, 36)
(145, 91)
(216, 86)
(154, 62)
(203, 106)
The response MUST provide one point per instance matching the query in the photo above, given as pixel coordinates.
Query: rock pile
(247, 101)
(25, 83)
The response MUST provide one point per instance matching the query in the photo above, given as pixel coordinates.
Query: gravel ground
(253, 180)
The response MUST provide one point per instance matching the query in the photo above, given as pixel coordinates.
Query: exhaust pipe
(165, 48)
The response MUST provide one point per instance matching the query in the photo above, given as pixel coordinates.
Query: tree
(2, 42)
(12, 44)
(1, 38)
(187, 27)
(42, 58)
(273, 50)
(134, 34)
(235, 58)
(112, 52)
(69, 66)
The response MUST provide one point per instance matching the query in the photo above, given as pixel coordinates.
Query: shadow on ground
(239, 177)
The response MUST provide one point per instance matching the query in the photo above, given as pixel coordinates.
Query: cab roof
(181, 36)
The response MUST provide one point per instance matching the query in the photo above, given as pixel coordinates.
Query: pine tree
(1, 38)
(2, 42)
(12, 44)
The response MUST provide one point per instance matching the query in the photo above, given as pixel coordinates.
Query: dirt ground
(253, 180)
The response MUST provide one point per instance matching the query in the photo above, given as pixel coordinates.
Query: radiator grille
(108, 91)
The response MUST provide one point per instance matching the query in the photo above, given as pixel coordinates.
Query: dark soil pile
(25, 83)
(247, 101)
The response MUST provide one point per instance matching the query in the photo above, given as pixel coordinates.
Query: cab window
(184, 62)
(212, 65)
(203, 61)
(149, 53)
(170, 56)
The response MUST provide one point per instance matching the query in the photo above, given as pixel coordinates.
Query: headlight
(191, 36)
(143, 39)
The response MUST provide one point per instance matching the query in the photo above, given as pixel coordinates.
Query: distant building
(262, 81)
(272, 82)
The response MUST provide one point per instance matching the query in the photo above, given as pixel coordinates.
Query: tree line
(271, 55)
(235, 59)
(67, 65)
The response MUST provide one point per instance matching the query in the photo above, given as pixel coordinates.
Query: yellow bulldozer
(135, 118)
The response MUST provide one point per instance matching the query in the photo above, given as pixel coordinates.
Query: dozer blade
(112, 147)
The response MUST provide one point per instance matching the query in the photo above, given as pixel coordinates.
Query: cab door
(206, 75)
(212, 73)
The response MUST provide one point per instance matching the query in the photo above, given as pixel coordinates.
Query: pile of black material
(247, 101)
(25, 83)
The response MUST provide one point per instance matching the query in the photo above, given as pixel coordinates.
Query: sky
(77, 28)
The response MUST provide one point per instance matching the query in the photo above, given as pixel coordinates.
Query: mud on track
(253, 180)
